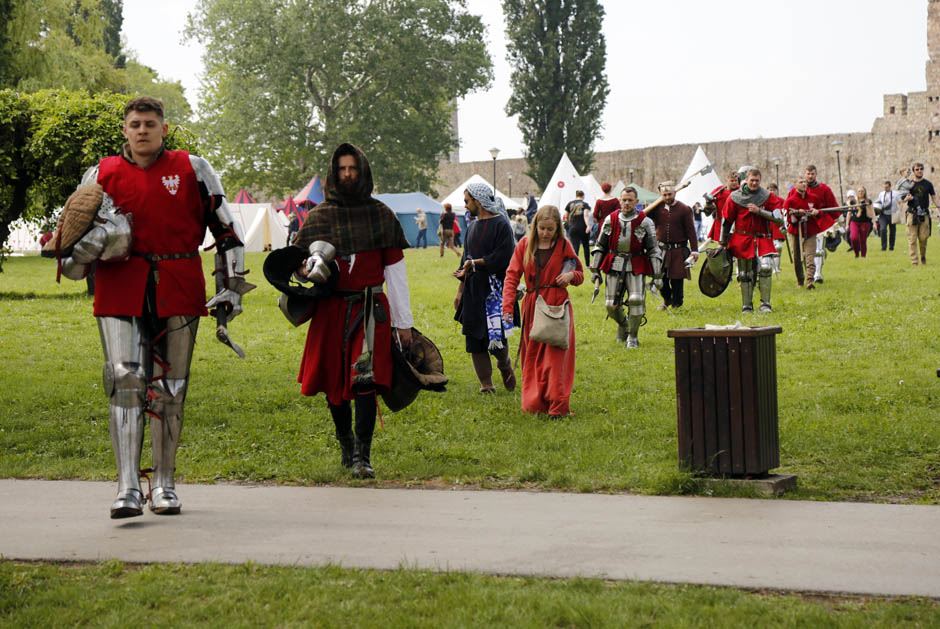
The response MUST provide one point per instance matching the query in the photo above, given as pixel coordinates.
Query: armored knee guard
(819, 258)
(764, 279)
(746, 276)
(636, 302)
(168, 395)
(125, 384)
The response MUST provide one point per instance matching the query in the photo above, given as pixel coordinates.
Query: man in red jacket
(150, 292)
(750, 210)
(715, 203)
(820, 197)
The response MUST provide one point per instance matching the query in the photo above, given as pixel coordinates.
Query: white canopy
(563, 184)
(592, 189)
(264, 228)
(455, 198)
(702, 184)
(618, 188)
(24, 237)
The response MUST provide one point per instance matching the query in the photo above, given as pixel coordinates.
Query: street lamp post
(510, 185)
(838, 145)
(776, 171)
(631, 175)
(494, 152)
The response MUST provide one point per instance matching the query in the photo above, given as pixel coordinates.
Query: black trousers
(579, 238)
(673, 292)
(887, 230)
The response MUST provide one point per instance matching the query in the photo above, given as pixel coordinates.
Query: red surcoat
(168, 217)
(750, 230)
(820, 197)
(639, 262)
(321, 366)
(721, 194)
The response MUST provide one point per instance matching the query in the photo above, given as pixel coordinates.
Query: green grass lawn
(35, 595)
(859, 398)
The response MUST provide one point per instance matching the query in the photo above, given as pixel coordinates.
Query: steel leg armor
(764, 278)
(125, 382)
(167, 398)
(820, 257)
(747, 271)
(614, 288)
(636, 302)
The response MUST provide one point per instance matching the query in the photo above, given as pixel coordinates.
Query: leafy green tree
(48, 139)
(559, 88)
(288, 80)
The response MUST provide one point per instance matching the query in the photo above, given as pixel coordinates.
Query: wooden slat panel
(734, 406)
(709, 406)
(749, 410)
(683, 395)
(699, 452)
(722, 408)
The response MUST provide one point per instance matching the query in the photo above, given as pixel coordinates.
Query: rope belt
(155, 258)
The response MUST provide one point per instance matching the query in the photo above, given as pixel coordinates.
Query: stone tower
(932, 69)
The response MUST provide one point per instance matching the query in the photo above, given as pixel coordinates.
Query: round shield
(716, 273)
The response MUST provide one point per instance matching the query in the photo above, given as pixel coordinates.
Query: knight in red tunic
(150, 296)
(626, 251)
(715, 203)
(348, 353)
(747, 216)
(820, 197)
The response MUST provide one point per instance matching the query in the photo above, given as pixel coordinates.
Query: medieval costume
(820, 197)
(626, 251)
(479, 311)
(802, 229)
(348, 352)
(749, 239)
(676, 233)
(148, 301)
(547, 371)
(714, 204)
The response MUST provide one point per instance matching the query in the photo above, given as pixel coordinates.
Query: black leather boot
(365, 426)
(342, 419)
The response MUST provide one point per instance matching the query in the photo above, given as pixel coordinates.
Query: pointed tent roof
(563, 184)
(592, 188)
(312, 192)
(702, 184)
(617, 188)
(287, 206)
(243, 196)
(409, 202)
(644, 196)
(455, 198)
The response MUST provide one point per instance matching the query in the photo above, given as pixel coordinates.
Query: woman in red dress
(549, 264)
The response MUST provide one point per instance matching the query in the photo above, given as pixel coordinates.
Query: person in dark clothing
(488, 248)
(578, 232)
(448, 219)
(531, 207)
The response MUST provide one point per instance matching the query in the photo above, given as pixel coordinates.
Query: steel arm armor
(109, 238)
(229, 240)
(774, 216)
(651, 247)
(601, 246)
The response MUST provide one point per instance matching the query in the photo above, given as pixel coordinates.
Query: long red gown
(547, 371)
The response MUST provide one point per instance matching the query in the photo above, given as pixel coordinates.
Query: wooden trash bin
(726, 398)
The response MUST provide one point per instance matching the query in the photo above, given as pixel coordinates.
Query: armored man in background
(155, 206)
(627, 251)
(348, 354)
(748, 214)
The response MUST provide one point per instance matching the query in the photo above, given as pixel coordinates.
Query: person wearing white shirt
(888, 201)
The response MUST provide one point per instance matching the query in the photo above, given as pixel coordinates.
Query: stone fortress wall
(907, 131)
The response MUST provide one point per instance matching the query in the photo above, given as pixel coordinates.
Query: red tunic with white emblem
(327, 362)
(639, 262)
(820, 197)
(814, 224)
(750, 230)
(168, 217)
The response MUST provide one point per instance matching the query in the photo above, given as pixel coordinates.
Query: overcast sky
(679, 70)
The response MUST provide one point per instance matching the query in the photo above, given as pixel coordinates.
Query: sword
(221, 330)
(597, 288)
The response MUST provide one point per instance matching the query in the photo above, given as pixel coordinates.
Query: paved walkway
(783, 544)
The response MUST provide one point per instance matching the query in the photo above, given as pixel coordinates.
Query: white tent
(24, 237)
(592, 189)
(455, 198)
(264, 228)
(702, 184)
(617, 189)
(563, 184)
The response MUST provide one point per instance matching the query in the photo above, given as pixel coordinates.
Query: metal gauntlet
(318, 264)
(230, 270)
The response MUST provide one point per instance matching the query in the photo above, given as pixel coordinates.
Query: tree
(559, 87)
(288, 80)
(48, 139)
